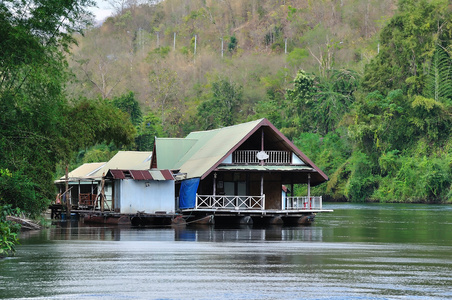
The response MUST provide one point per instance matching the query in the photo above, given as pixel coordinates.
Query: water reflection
(246, 234)
(80, 231)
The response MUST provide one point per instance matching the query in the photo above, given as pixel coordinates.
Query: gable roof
(202, 152)
(84, 171)
(136, 160)
(125, 160)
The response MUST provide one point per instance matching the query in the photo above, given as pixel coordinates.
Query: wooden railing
(230, 202)
(87, 199)
(274, 157)
(297, 203)
(254, 202)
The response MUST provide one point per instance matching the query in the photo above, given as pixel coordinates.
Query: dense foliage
(400, 123)
(40, 125)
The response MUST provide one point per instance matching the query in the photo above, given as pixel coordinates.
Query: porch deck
(266, 212)
(255, 205)
(247, 210)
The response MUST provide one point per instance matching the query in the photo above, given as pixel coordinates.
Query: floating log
(26, 224)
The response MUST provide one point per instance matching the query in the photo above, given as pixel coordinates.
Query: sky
(102, 11)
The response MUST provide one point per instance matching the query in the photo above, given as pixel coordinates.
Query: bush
(17, 190)
(413, 179)
(8, 231)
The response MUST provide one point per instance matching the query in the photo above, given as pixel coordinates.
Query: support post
(214, 184)
(68, 199)
(309, 189)
(79, 190)
(174, 42)
(196, 201)
(102, 199)
(262, 144)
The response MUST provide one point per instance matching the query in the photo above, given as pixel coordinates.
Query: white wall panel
(147, 196)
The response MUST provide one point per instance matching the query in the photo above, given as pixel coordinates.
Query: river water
(360, 251)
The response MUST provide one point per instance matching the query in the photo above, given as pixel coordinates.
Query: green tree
(381, 123)
(300, 101)
(95, 121)
(319, 104)
(129, 104)
(149, 128)
(223, 107)
(407, 45)
(333, 99)
(232, 46)
(439, 80)
(33, 38)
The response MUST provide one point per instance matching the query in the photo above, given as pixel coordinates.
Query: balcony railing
(230, 202)
(250, 157)
(303, 203)
(254, 202)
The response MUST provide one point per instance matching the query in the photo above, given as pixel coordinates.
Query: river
(360, 251)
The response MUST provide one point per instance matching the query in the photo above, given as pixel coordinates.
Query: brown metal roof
(140, 175)
(167, 174)
(117, 174)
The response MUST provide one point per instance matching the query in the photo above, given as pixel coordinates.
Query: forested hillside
(178, 56)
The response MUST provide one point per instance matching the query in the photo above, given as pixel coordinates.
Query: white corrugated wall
(147, 196)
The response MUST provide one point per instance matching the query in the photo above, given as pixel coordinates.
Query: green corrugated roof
(171, 150)
(200, 150)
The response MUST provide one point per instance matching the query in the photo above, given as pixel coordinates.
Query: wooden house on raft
(237, 173)
(118, 190)
(125, 183)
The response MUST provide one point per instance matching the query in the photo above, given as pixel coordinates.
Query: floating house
(83, 185)
(238, 172)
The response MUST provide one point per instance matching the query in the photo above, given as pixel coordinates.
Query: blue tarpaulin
(187, 194)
